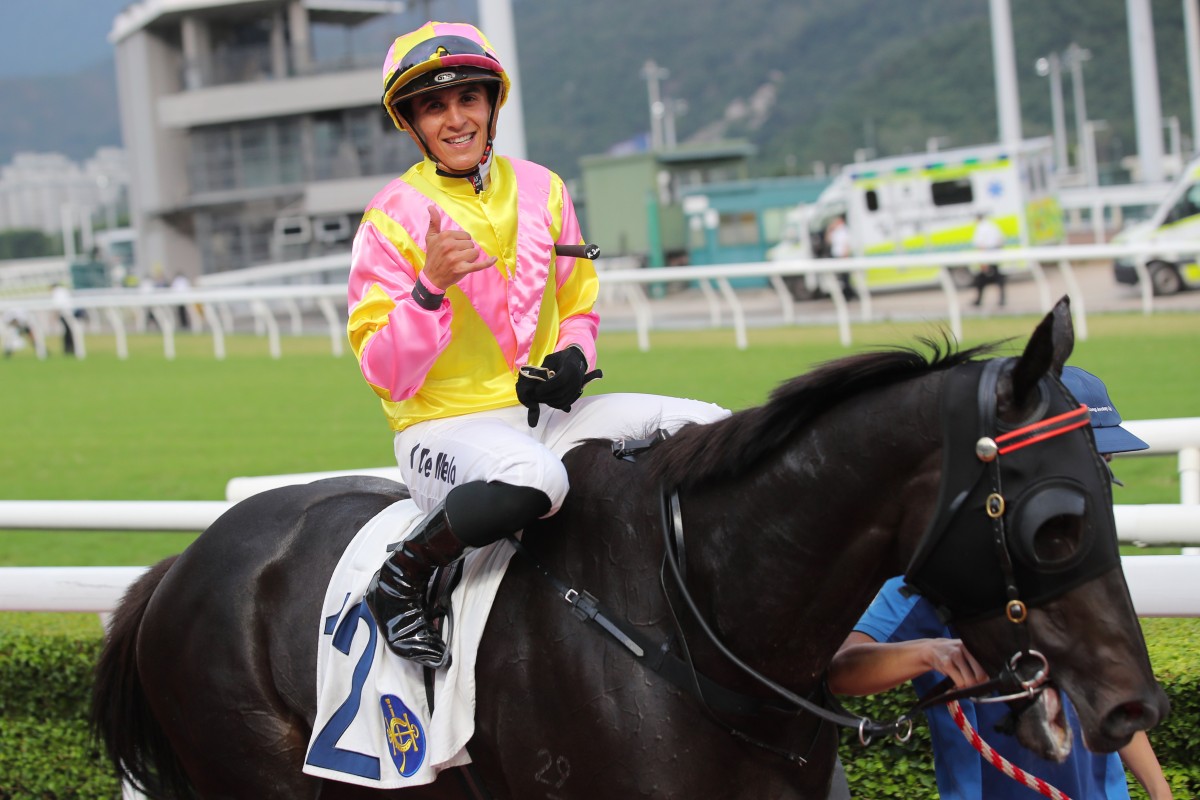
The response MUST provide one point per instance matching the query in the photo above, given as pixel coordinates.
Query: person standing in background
(837, 238)
(988, 236)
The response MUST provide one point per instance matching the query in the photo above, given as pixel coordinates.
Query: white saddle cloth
(373, 726)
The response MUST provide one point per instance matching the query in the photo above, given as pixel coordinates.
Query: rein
(673, 541)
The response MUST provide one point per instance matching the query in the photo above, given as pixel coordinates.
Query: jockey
(465, 322)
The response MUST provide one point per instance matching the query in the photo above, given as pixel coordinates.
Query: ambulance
(930, 203)
(1176, 220)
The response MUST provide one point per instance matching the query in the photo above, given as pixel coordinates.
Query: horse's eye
(1057, 541)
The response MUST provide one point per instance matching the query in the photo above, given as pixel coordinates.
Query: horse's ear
(1048, 350)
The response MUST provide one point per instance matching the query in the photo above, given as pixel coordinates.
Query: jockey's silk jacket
(464, 356)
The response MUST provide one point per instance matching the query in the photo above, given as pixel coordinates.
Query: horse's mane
(698, 453)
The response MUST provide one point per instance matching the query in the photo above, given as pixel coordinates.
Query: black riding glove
(558, 382)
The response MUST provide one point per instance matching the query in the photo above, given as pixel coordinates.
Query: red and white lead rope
(998, 761)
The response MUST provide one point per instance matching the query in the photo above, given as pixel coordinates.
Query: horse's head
(1023, 553)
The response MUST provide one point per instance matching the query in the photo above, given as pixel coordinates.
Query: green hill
(805, 80)
(846, 75)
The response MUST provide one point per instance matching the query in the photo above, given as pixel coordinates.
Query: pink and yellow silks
(464, 356)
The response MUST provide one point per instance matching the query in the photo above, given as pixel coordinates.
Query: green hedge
(46, 752)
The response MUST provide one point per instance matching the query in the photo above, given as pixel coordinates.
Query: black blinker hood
(967, 562)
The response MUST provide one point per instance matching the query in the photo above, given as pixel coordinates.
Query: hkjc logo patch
(405, 735)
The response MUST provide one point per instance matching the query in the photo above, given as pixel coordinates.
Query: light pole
(495, 17)
(653, 74)
(1089, 153)
(1147, 108)
(1008, 103)
(1174, 142)
(1191, 36)
(1051, 66)
(1074, 57)
(672, 108)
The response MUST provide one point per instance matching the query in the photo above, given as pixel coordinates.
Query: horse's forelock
(731, 446)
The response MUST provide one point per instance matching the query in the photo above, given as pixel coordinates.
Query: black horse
(793, 514)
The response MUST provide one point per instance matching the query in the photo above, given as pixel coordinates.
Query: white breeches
(498, 445)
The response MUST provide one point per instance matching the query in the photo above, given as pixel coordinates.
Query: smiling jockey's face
(453, 123)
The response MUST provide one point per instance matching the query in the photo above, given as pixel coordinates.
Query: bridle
(988, 450)
(985, 507)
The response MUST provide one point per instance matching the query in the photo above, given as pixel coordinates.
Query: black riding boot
(483, 512)
(397, 593)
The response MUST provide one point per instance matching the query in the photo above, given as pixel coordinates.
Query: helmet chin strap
(477, 176)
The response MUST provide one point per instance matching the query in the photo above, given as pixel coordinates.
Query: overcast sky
(51, 37)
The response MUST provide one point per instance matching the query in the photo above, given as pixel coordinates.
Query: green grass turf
(148, 428)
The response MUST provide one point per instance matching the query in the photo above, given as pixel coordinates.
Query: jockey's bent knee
(482, 512)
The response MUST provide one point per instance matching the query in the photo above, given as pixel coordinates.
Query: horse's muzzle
(1132, 716)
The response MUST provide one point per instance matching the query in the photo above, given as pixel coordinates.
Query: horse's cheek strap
(960, 473)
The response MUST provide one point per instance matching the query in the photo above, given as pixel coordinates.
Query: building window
(211, 161)
(738, 228)
(256, 155)
(241, 52)
(233, 241)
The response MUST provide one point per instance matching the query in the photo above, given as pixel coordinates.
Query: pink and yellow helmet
(437, 55)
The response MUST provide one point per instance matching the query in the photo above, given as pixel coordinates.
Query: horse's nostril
(1134, 710)
(1130, 717)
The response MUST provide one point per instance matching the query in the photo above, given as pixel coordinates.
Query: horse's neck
(792, 554)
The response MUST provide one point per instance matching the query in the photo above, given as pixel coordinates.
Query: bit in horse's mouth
(1042, 726)
(1054, 723)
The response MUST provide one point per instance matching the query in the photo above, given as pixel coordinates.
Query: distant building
(739, 221)
(256, 127)
(690, 204)
(44, 191)
(634, 198)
